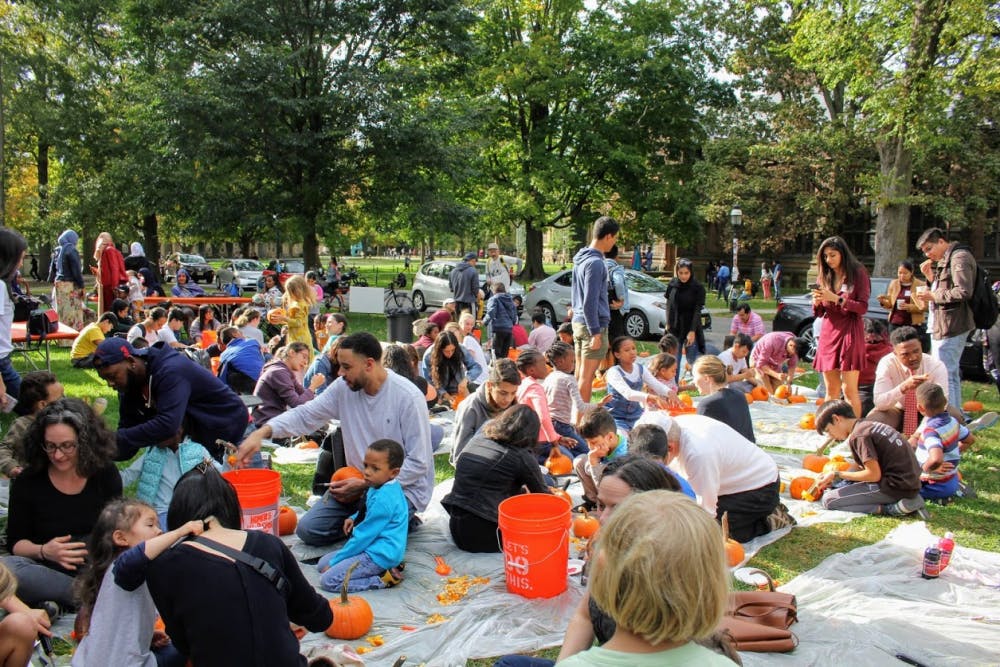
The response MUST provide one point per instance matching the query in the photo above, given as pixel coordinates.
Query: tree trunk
(533, 269)
(151, 234)
(43, 180)
(310, 245)
(893, 223)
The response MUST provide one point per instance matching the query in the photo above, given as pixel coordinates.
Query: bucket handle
(565, 538)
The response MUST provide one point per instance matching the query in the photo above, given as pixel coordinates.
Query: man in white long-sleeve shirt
(371, 403)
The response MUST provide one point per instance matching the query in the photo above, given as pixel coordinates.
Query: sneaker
(780, 518)
(393, 576)
(52, 609)
(984, 421)
(966, 490)
(908, 506)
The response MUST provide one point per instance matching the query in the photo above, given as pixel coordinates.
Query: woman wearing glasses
(56, 500)
(685, 299)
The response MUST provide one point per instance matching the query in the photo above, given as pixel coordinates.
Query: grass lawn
(976, 522)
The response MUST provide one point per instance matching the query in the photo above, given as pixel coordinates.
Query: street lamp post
(736, 219)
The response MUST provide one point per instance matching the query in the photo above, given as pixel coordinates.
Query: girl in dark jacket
(685, 299)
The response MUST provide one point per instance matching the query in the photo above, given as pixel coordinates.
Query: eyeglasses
(64, 447)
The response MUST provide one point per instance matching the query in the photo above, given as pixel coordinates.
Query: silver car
(244, 272)
(648, 305)
(431, 288)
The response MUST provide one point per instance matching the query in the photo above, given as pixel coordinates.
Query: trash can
(399, 324)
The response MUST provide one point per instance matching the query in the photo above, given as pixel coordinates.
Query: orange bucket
(208, 337)
(258, 491)
(535, 531)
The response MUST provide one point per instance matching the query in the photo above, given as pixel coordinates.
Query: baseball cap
(449, 300)
(113, 350)
(469, 256)
(493, 246)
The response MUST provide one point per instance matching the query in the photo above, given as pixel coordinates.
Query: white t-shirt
(476, 352)
(737, 365)
(142, 332)
(166, 334)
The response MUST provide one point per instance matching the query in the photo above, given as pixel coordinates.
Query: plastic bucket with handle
(535, 530)
(258, 491)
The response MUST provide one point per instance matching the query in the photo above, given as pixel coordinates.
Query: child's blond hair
(299, 290)
(8, 583)
(660, 570)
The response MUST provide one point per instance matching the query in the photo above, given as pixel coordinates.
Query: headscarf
(67, 244)
(151, 285)
(136, 250)
(190, 288)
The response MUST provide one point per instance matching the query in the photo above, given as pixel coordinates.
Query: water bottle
(946, 545)
(932, 562)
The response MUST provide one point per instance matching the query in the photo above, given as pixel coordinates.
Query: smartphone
(813, 285)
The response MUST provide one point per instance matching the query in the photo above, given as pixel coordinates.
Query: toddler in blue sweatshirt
(377, 539)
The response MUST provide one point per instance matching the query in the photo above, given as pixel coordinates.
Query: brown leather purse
(759, 620)
(748, 636)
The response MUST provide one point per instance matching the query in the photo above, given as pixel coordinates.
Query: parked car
(795, 314)
(648, 314)
(431, 288)
(244, 272)
(289, 268)
(196, 266)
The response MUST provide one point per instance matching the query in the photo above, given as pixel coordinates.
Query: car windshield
(191, 259)
(248, 265)
(638, 282)
(292, 266)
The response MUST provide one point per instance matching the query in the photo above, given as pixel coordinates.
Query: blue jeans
(10, 376)
(523, 661)
(324, 522)
(169, 656)
(567, 431)
(367, 575)
(949, 352)
(945, 489)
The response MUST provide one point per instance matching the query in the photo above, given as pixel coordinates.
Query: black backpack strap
(259, 565)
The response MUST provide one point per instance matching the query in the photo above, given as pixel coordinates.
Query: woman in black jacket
(494, 466)
(685, 299)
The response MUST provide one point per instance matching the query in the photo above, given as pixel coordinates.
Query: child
(664, 368)
(657, 619)
(625, 384)
(939, 441)
(531, 392)
(159, 469)
(21, 625)
(136, 293)
(739, 375)
(565, 333)
(38, 389)
(562, 392)
(82, 353)
(650, 441)
(117, 614)
(598, 428)
(319, 327)
(377, 541)
(501, 316)
(299, 298)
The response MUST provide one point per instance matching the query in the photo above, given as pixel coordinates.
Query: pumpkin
(584, 525)
(287, 520)
(558, 463)
(973, 405)
(808, 421)
(277, 316)
(759, 393)
(800, 485)
(837, 464)
(814, 462)
(820, 401)
(308, 444)
(796, 398)
(352, 615)
(561, 493)
(347, 472)
(749, 398)
(782, 392)
(685, 398)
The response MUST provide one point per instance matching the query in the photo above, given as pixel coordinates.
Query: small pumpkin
(749, 398)
(561, 493)
(347, 472)
(584, 525)
(558, 463)
(814, 462)
(685, 398)
(973, 405)
(820, 401)
(837, 464)
(308, 444)
(800, 485)
(808, 421)
(352, 615)
(782, 392)
(287, 520)
(277, 316)
(759, 393)
(796, 398)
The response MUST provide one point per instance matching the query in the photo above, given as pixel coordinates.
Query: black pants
(616, 327)
(502, 340)
(748, 511)
(465, 305)
(473, 533)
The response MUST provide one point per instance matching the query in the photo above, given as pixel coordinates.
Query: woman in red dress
(841, 300)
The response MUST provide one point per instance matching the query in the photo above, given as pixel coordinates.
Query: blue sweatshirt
(243, 355)
(382, 533)
(590, 290)
(501, 312)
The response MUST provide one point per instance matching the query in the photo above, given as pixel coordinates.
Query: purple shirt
(771, 351)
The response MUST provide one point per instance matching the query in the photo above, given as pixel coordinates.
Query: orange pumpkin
(796, 398)
(685, 398)
(820, 401)
(759, 394)
(561, 493)
(800, 485)
(287, 520)
(749, 398)
(558, 463)
(782, 392)
(308, 444)
(734, 553)
(973, 405)
(584, 525)
(814, 462)
(808, 421)
(352, 615)
(277, 316)
(837, 464)
(347, 472)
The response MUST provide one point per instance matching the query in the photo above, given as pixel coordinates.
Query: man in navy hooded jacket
(591, 311)
(160, 389)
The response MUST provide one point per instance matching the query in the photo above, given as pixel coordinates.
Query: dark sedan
(795, 314)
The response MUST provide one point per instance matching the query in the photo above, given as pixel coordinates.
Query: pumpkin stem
(399, 661)
(347, 580)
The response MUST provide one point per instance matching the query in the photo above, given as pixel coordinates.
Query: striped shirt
(753, 327)
(563, 395)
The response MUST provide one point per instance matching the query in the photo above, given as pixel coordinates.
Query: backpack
(983, 303)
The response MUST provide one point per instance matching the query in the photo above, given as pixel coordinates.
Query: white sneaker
(984, 421)
(312, 500)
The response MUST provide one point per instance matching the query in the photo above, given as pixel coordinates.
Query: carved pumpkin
(782, 392)
(814, 462)
(287, 520)
(352, 615)
(837, 464)
(584, 525)
(558, 463)
(347, 472)
(800, 485)
(808, 421)
(759, 394)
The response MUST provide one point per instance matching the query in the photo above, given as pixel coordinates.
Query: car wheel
(418, 301)
(636, 325)
(550, 312)
(806, 331)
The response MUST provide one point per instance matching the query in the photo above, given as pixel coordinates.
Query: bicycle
(397, 300)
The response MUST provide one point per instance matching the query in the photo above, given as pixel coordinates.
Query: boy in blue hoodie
(591, 311)
(377, 540)
(501, 316)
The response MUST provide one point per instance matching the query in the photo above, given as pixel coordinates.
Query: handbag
(43, 322)
(749, 636)
(771, 608)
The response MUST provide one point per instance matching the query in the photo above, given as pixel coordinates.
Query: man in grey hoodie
(591, 311)
(464, 283)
